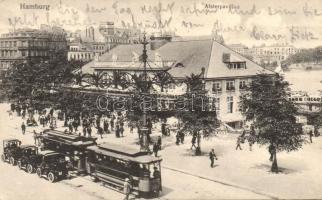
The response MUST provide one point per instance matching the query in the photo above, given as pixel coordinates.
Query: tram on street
(72, 146)
(112, 164)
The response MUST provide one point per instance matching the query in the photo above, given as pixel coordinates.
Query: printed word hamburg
(24, 6)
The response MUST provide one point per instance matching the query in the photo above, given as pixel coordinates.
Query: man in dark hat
(212, 156)
(127, 188)
(23, 128)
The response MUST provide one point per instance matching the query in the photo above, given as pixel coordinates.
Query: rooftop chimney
(226, 57)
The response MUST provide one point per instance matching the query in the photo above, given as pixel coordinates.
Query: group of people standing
(43, 120)
(251, 138)
(103, 125)
(180, 137)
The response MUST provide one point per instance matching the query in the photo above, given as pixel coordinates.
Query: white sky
(235, 28)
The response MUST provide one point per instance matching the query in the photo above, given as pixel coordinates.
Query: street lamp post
(144, 129)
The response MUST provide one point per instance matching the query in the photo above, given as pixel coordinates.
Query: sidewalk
(250, 170)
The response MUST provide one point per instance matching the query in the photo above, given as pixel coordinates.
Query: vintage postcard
(165, 99)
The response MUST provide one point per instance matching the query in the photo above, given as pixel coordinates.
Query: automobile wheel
(19, 164)
(51, 177)
(12, 161)
(30, 168)
(38, 171)
(3, 158)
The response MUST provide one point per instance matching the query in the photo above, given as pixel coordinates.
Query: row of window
(9, 53)
(23, 44)
(23, 53)
(5, 65)
(230, 104)
(217, 85)
(230, 85)
(118, 41)
(73, 48)
(81, 56)
(237, 65)
(98, 47)
(84, 48)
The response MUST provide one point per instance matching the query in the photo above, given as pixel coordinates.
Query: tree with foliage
(316, 118)
(97, 78)
(269, 65)
(194, 83)
(26, 78)
(79, 77)
(268, 106)
(198, 117)
(77, 64)
(162, 79)
(313, 55)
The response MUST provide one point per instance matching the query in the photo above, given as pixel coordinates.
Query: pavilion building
(226, 73)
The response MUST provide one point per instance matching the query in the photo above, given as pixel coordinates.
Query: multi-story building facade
(31, 44)
(80, 51)
(266, 54)
(239, 48)
(226, 73)
(86, 47)
(94, 42)
(115, 35)
(277, 52)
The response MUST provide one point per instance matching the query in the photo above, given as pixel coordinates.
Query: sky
(251, 22)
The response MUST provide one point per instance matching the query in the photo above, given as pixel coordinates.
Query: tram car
(112, 164)
(72, 146)
(109, 163)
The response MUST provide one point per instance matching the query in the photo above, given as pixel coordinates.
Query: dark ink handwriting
(121, 10)
(92, 9)
(218, 26)
(258, 34)
(274, 11)
(301, 33)
(310, 11)
(196, 11)
(158, 9)
(24, 21)
(147, 23)
(190, 25)
(238, 11)
(63, 10)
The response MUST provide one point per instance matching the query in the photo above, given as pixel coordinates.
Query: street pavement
(238, 174)
(17, 184)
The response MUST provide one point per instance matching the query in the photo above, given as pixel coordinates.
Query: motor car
(51, 165)
(11, 150)
(29, 154)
